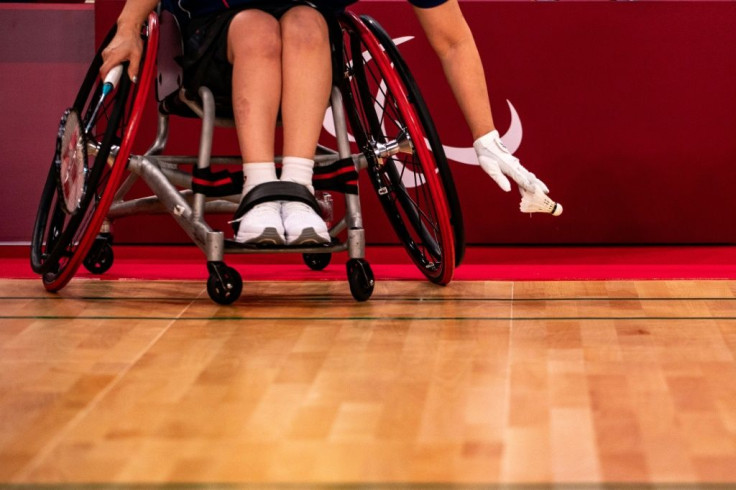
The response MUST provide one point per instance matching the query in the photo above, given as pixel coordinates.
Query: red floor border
(391, 263)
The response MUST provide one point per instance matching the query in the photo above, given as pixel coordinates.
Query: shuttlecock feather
(538, 202)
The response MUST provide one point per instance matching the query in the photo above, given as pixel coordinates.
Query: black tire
(408, 183)
(317, 262)
(224, 284)
(92, 147)
(425, 119)
(360, 279)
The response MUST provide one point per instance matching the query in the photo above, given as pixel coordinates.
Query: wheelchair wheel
(401, 166)
(425, 120)
(92, 149)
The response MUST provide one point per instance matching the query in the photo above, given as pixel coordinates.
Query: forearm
(127, 45)
(464, 72)
(135, 13)
(450, 37)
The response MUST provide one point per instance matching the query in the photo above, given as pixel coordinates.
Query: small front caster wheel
(224, 284)
(317, 262)
(100, 256)
(360, 278)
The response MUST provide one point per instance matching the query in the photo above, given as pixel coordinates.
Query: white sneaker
(262, 225)
(302, 225)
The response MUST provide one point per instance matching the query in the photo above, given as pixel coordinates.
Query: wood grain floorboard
(475, 385)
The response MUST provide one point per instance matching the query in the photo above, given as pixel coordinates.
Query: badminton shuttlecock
(538, 202)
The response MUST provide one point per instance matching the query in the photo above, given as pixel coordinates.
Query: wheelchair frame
(428, 222)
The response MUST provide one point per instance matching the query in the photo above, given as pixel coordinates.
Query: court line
(647, 485)
(506, 411)
(363, 318)
(289, 299)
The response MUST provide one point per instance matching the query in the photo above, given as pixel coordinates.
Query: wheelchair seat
(172, 97)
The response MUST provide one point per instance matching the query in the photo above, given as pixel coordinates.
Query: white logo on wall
(466, 155)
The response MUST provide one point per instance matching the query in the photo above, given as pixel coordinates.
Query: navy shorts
(205, 61)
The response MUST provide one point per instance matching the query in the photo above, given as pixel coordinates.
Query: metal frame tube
(205, 143)
(172, 200)
(353, 216)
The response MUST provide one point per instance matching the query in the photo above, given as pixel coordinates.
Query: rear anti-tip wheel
(360, 279)
(100, 257)
(317, 262)
(224, 284)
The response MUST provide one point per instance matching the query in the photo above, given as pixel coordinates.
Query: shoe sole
(270, 236)
(308, 236)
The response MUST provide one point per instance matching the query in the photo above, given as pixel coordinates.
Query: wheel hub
(71, 161)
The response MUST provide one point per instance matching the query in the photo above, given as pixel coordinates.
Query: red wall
(627, 108)
(45, 52)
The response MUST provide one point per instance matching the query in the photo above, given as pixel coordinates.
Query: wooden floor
(474, 383)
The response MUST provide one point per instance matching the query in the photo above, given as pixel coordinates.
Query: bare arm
(450, 37)
(127, 45)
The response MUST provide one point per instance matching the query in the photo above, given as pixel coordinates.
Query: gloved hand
(498, 162)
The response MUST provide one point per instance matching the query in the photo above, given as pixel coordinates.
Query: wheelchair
(374, 96)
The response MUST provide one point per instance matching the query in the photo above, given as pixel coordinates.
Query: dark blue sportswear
(194, 8)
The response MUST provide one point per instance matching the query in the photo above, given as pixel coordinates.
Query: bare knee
(253, 33)
(304, 28)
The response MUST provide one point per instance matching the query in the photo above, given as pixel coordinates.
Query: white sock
(258, 173)
(299, 170)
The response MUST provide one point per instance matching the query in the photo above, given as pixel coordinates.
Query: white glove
(499, 163)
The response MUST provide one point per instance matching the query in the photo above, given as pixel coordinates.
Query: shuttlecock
(538, 202)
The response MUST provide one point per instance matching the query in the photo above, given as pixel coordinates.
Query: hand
(125, 46)
(499, 163)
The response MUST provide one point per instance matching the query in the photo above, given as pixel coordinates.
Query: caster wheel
(360, 278)
(224, 284)
(317, 262)
(100, 257)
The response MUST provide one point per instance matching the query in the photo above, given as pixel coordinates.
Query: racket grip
(112, 79)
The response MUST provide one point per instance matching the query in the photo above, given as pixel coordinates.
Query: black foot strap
(216, 184)
(339, 176)
(274, 191)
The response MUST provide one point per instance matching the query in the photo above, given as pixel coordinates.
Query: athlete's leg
(307, 79)
(254, 50)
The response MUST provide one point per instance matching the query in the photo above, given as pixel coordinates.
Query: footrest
(232, 245)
